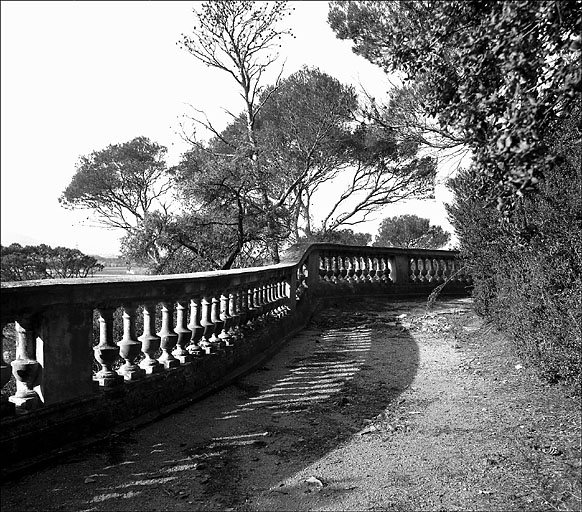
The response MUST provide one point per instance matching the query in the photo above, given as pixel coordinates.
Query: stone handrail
(197, 329)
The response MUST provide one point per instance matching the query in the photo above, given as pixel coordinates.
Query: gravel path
(377, 406)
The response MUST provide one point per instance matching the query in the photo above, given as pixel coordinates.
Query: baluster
(254, 300)
(272, 296)
(243, 298)
(423, 278)
(434, 265)
(281, 298)
(107, 352)
(445, 269)
(365, 269)
(381, 271)
(302, 274)
(233, 311)
(438, 270)
(421, 270)
(322, 267)
(25, 368)
(275, 298)
(7, 408)
(226, 321)
(195, 328)
(265, 297)
(373, 274)
(168, 337)
(365, 262)
(351, 270)
(430, 270)
(269, 297)
(360, 269)
(129, 346)
(335, 269)
(208, 325)
(258, 302)
(414, 271)
(343, 271)
(330, 271)
(150, 342)
(386, 265)
(288, 296)
(358, 272)
(184, 334)
(301, 286)
(252, 311)
(218, 324)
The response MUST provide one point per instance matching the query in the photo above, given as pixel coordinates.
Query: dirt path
(377, 406)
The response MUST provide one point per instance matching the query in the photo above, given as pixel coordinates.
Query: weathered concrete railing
(199, 331)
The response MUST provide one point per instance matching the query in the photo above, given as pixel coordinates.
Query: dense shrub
(528, 269)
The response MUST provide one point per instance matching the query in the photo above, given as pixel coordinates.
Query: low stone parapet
(75, 377)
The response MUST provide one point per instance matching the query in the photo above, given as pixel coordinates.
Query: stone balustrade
(197, 332)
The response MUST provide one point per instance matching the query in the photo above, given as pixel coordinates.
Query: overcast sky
(78, 76)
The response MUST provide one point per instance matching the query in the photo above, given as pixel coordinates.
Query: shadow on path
(325, 386)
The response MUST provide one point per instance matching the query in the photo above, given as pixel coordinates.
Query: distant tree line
(20, 263)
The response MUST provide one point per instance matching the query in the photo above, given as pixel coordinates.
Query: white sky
(78, 76)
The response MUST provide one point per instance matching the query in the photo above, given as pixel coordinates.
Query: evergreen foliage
(505, 79)
(44, 262)
(410, 231)
(528, 272)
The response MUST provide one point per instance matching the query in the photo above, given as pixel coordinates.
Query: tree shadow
(357, 360)
(337, 379)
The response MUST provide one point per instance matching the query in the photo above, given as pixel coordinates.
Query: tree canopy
(496, 73)
(410, 231)
(313, 127)
(123, 185)
(241, 39)
(44, 262)
(309, 132)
